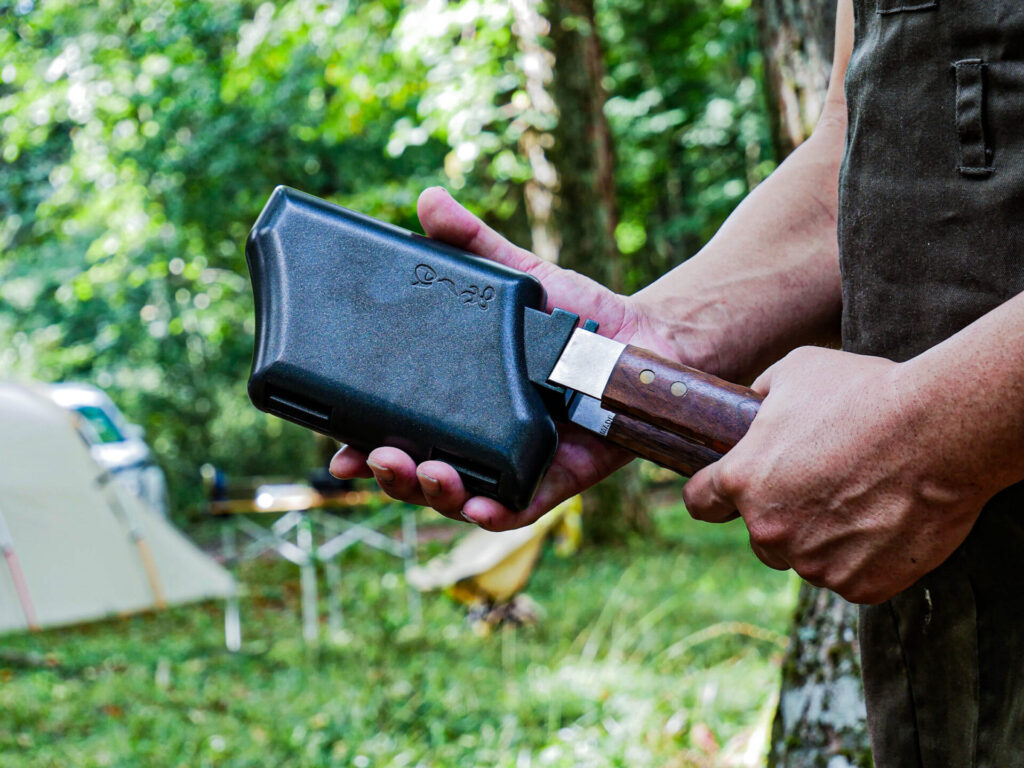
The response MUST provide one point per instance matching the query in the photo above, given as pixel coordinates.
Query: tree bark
(586, 214)
(797, 37)
(540, 191)
(586, 211)
(821, 719)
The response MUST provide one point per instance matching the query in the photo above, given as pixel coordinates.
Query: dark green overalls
(931, 234)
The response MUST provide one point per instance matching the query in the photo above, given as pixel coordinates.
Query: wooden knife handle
(698, 406)
(664, 448)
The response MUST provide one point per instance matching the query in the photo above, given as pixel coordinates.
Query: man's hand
(845, 476)
(582, 459)
(767, 282)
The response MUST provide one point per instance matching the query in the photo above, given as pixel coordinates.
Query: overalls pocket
(975, 156)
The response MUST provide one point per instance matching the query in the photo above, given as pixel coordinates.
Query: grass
(659, 652)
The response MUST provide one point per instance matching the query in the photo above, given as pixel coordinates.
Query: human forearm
(965, 403)
(769, 280)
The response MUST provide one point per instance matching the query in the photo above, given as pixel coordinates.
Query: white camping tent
(76, 546)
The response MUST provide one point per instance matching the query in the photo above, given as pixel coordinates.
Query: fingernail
(431, 487)
(330, 464)
(382, 473)
(467, 518)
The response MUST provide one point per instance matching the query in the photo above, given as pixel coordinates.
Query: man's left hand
(844, 476)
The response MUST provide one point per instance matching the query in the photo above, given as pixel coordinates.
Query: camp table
(307, 534)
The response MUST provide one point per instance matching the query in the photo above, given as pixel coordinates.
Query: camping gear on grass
(487, 570)
(76, 546)
(312, 529)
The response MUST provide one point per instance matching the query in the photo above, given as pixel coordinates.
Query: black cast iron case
(377, 336)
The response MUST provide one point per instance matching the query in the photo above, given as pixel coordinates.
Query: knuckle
(854, 594)
(771, 559)
(875, 596)
(858, 582)
(813, 573)
(730, 478)
(801, 359)
(801, 354)
(766, 534)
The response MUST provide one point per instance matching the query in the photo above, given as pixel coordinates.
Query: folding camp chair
(307, 534)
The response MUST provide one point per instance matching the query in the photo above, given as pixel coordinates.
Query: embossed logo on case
(474, 295)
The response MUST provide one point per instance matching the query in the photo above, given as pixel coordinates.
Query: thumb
(446, 220)
(705, 499)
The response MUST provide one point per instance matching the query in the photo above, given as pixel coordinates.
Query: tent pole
(152, 574)
(232, 614)
(17, 575)
(145, 552)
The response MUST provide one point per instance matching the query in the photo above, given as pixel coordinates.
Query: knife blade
(664, 448)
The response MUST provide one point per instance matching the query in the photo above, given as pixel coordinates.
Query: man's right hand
(582, 459)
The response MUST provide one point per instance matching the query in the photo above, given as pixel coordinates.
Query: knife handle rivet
(678, 388)
(646, 376)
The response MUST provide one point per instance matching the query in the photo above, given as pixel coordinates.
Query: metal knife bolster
(560, 356)
(641, 386)
(572, 368)
(587, 363)
(562, 359)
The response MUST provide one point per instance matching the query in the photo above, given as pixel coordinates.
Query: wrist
(661, 328)
(947, 459)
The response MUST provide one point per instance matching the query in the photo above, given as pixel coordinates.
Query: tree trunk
(798, 40)
(539, 193)
(586, 215)
(820, 722)
(586, 211)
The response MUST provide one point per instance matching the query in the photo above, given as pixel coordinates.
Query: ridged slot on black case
(476, 477)
(299, 408)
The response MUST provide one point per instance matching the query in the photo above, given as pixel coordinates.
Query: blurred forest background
(139, 139)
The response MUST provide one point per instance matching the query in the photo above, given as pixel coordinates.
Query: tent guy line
(17, 574)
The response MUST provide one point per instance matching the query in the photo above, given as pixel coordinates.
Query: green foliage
(642, 659)
(686, 107)
(139, 140)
